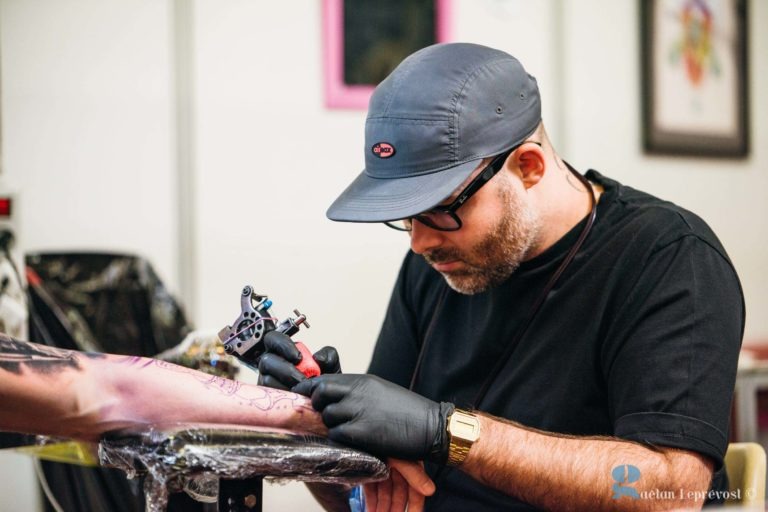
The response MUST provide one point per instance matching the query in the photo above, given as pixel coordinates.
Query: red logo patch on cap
(383, 149)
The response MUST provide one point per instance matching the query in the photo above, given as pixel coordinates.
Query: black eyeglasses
(445, 218)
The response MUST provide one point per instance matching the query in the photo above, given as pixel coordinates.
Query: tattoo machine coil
(244, 339)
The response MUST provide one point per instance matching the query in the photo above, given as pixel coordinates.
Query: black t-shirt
(639, 338)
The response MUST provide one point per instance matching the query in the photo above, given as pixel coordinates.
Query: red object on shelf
(5, 206)
(32, 278)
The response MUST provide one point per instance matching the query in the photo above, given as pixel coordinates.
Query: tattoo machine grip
(308, 366)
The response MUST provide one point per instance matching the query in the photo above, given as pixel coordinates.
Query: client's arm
(45, 390)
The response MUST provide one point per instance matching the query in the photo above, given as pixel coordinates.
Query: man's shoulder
(641, 217)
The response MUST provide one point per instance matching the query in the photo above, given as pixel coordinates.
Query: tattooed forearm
(264, 399)
(39, 358)
(46, 390)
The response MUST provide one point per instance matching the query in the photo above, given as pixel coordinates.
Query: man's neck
(574, 205)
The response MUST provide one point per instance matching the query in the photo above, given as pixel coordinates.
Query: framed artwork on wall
(694, 77)
(365, 39)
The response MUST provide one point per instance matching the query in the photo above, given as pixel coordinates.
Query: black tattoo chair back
(108, 303)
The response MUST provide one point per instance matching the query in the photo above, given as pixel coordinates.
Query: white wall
(87, 111)
(87, 125)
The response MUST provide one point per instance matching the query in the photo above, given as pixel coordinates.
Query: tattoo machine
(244, 339)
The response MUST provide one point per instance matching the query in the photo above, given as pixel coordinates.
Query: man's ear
(530, 161)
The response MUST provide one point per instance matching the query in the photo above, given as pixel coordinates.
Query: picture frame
(694, 77)
(377, 36)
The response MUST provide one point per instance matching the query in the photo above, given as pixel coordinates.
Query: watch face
(464, 426)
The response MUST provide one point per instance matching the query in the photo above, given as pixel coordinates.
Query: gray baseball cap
(431, 122)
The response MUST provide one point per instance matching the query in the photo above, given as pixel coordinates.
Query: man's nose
(424, 238)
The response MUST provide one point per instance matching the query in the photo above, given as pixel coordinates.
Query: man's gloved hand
(277, 366)
(373, 414)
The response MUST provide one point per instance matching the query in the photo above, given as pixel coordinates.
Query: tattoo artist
(546, 327)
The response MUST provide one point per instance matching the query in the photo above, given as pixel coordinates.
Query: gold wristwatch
(463, 431)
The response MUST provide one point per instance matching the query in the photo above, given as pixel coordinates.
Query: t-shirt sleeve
(670, 360)
(396, 350)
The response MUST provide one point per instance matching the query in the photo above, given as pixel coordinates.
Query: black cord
(428, 335)
(545, 292)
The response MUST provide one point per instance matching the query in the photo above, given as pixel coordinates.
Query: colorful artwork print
(695, 49)
(694, 76)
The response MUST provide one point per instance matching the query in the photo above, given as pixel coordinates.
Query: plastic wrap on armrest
(176, 457)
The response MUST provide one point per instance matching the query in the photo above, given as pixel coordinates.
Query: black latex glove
(277, 365)
(375, 415)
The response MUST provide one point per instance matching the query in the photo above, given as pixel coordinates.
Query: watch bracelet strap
(457, 453)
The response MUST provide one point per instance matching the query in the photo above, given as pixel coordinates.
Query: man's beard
(496, 257)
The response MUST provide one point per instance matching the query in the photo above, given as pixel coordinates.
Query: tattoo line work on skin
(264, 399)
(38, 358)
